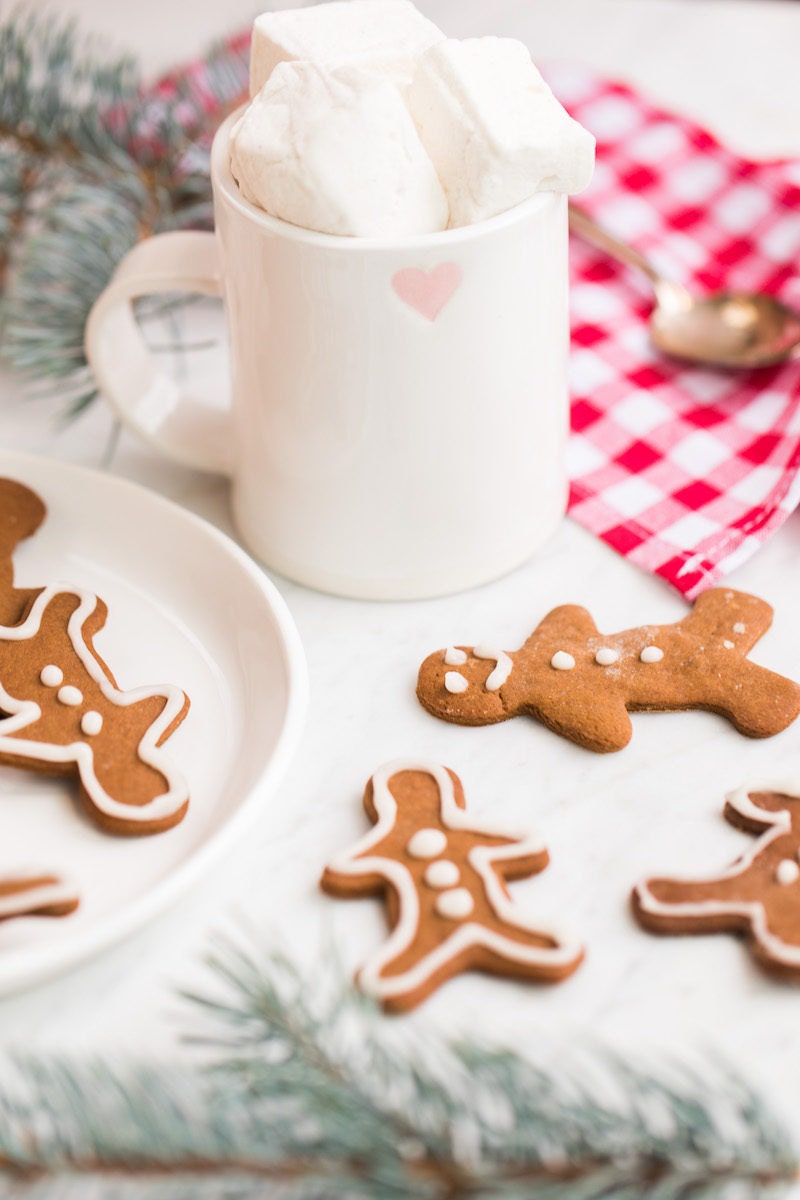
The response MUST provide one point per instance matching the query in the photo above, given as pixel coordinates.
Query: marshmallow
(336, 151)
(387, 36)
(494, 130)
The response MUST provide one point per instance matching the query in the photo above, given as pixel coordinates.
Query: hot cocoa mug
(399, 407)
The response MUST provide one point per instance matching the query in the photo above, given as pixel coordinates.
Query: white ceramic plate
(186, 606)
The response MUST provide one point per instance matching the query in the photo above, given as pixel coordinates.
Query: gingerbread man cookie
(582, 684)
(444, 881)
(67, 715)
(61, 710)
(759, 896)
(34, 894)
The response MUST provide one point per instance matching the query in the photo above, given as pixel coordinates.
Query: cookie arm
(349, 881)
(571, 622)
(765, 806)
(693, 905)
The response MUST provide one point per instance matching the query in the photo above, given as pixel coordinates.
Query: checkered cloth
(683, 471)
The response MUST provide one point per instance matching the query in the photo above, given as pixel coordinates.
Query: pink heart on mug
(427, 292)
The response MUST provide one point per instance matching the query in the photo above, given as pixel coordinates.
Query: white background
(733, 65)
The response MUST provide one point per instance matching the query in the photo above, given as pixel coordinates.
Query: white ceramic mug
(399, 408)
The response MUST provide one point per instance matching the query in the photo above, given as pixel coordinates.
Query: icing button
(606, 656)
(651, 654)
(455, 683)
(442, 874)
(454, 657)
(52, 676)
(427, 843)
(70, 696)
(91, 723)
(787, 872)
(562, 661)
(455, 904)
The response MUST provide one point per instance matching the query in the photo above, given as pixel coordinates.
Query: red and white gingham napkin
(683, 471)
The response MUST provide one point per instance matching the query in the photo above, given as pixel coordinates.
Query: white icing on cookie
(455, 683)
(455, 904)
(91, 723)
(442, 874)
(502, 670)
(565, 951)
(52, 676)
(739, 627)
(71, 696)
(763, 818)
(427, 843)
(728, 645)
(651, 654)
(454, 657)
(23, 714)
(606, 657)
(787, 872)
(773, 825)
(31, 899)
(562, 661)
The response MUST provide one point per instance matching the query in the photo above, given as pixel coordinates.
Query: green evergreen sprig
(90, 163)
(308, 1091)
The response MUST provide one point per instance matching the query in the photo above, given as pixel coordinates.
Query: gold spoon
(725, 329)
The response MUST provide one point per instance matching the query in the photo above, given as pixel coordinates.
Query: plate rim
(46, 962)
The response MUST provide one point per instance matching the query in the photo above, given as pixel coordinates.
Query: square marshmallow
(494, 130)
(387, 36)
(336, 151)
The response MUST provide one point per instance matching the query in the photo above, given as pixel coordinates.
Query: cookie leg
(524, 953)
(404, 974)
(723, 614)
(758, 702)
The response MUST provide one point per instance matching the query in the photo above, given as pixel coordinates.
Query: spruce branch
(90, 163)
(307, 1091)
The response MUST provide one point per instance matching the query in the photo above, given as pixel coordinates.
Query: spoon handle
(582, 224)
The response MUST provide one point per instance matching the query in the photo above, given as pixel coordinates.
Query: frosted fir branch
(55, 86)
(308, 1091)
(78, 242)
(90, 163)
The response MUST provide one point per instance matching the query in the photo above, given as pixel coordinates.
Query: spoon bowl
(737, 331)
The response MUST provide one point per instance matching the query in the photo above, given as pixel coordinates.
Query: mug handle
(145, 397)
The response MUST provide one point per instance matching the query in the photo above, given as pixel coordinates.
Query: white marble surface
(607, 820)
